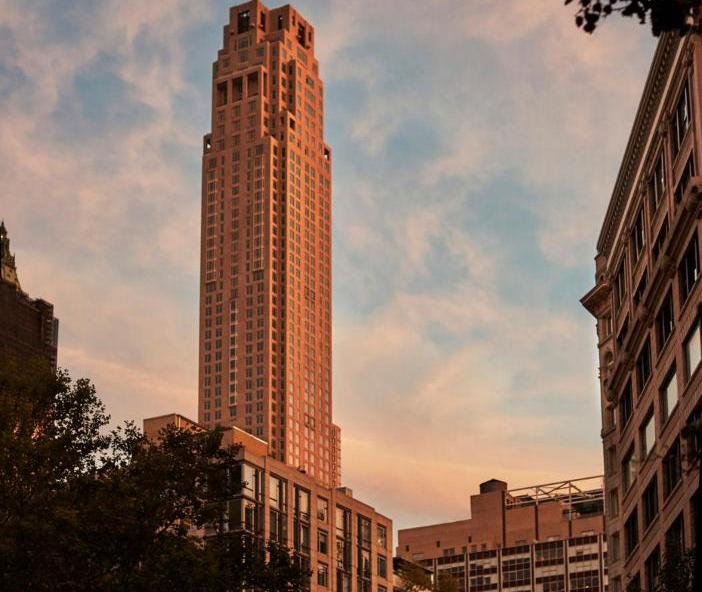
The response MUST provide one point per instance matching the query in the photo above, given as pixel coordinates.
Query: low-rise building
(543, 538)
(345, 542)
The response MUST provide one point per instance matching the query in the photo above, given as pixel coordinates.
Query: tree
(676, 571)
(415, 578)
(664, 15)
(82, 508)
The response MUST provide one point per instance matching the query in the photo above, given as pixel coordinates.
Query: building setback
(544, 538)
(265, 280)
(346, 543)
(265, 305)
(28, 328)
(647, 304)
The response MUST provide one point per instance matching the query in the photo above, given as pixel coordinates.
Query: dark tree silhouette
(82, 508)
(663, 15)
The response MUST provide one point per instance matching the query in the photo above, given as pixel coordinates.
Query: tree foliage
(415, 578)
(663, 15)
(676, 572)
(83, 508)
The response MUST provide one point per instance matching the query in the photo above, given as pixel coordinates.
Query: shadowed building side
(28, 328)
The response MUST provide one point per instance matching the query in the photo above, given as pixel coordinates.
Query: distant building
(346, 544)
(543, 538)
(649, 322)
(28, 327)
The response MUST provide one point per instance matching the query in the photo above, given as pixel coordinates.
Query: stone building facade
(647, 304)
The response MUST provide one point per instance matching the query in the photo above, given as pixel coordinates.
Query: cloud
(475, 146)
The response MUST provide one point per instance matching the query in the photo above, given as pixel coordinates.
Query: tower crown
(8, 269)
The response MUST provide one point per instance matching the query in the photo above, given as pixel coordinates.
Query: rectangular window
(323, 542)
(625, 406)
(221, 94)
(628, 470)
(640, 289)
(252, 84)
(665, 321)
(302, 503)
(693, 350)
(237, 89)
(681, 119)
(689, 269)
(343, 581)
(623, 331)
(277, 493)
(638, 236)
(620, 285)
(243, 22)
(251, 481)
(364, 532)
(382, 567)
(364, 564)
(687, 173)
(647, 435)
(323, 575)
(672, 468)
(613, 504)
(656, 184)
(649, 503)
(631, 532)
(659, 242)
(382, 533)
(322, 509)
(614, 547)
(643, 366)
(669, 395)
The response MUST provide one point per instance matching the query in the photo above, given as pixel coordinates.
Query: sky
(475, 144)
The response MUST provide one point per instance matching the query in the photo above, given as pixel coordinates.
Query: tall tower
(265, 277)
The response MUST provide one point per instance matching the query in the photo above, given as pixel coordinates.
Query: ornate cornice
(641, 130)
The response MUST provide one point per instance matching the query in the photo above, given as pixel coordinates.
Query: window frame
(649, 423)
(650, 504)
(695, 331)
(683, 104)
(686, 283)
(671, 378)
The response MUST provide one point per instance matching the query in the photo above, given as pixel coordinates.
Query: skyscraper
(649, 323)
(265, 285)
(28, 328)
